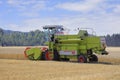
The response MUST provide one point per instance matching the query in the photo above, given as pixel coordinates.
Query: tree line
(15, 38)
(113, 40)
(37, 37)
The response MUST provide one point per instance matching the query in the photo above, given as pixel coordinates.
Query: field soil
(13, 66)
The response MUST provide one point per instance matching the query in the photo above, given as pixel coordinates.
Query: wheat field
(13, 66)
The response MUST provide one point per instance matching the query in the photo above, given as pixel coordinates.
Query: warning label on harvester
(73, 52)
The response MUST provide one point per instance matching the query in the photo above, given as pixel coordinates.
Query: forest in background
(113, 40)
(37, 37)
(16, 38)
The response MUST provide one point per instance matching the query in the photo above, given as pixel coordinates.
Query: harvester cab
(52, 30)
(82, 46)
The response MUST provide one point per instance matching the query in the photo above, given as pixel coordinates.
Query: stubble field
(13, 66)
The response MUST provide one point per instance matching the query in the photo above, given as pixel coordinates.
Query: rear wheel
(82, 59)
(93, 58)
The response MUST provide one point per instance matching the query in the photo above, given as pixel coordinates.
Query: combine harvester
(62, 47)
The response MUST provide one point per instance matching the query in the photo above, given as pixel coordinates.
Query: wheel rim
(49, 55)
(81, 59)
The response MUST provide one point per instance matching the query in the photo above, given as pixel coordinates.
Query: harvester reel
(26, 50)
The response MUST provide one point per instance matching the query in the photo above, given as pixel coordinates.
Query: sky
(27, 15)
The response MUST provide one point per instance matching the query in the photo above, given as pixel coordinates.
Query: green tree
(113, 40)
(1, 36)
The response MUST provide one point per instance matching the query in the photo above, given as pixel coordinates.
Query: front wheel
(48, 55)
(82, 59)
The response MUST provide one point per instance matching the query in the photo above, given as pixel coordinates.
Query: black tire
(56, 56)
(43, 56)
(93, 58)
(82, 59)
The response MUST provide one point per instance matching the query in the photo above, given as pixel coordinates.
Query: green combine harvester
(61, 47)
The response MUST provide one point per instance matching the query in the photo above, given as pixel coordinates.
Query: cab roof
(53, 27)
